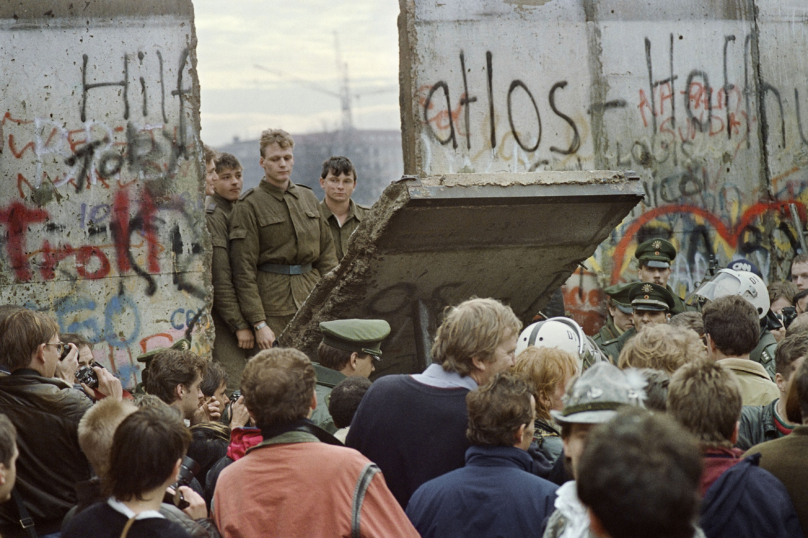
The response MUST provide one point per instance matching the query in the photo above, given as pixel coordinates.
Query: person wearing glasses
(45, 411)
(350, 347)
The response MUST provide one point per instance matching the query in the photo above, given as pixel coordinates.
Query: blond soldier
(280, 246)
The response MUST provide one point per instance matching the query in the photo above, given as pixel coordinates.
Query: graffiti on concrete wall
(717, 134)
(101, 217)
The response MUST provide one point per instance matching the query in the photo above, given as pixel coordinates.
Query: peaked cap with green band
(183, 344)
(655, 253)
(619, 295)
(650, 296)
(355, 335)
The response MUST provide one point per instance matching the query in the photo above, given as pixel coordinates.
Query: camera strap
(26, 521)
(128, 526)
(362, 485)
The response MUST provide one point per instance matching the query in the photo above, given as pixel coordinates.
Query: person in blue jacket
(495, 494)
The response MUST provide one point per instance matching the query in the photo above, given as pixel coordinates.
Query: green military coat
(342, 233)
(613, 347)
(270, 225)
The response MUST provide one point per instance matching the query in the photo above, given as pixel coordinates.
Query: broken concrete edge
(347, 279)
(207, 330)
(407, 58)
(527, 178)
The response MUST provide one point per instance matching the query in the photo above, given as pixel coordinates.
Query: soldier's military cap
(653, 297)
(655, 253)
(619, 294)
(356, 335)
(183, 344)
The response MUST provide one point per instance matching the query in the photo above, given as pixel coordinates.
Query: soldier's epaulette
(366, 208)
(246, 193)
(304, 186)
(211, 207)
(612, 341)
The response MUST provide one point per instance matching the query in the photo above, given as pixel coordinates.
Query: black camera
(65, 352)
(188, 469)
(235, 396)
(787, 315)
(87, 375)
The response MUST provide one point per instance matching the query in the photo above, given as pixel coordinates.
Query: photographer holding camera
(147, 454)
(46, 412)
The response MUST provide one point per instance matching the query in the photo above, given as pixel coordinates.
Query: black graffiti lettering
(142, 151)
(519, 84)
(799, 116)
(727, 86)
(179, 147)
(85, 155)
(110, 164)
(644, 156)
(85, 87)
(701, 126)
(490, 72)
(466, 100)
(576, 139)
(747, 89)
(651, 82)
(766, 88)
(673, 102)
(441, 85)
(162, 88)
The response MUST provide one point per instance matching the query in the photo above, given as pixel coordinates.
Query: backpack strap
(359, 495)
(26, 521)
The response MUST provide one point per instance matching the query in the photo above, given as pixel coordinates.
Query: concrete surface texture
(703, 100)
(102, 209)
(435, 242)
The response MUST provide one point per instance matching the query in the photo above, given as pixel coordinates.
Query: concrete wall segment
(704, 100)
(102, 210)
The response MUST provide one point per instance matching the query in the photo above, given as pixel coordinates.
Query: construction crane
(344, 94)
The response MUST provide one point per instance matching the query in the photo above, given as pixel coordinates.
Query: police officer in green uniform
(620, 318)
(280, 246)
(338, 181)
(350, 347)
(651, 305)
(234, 336)
(654, 259)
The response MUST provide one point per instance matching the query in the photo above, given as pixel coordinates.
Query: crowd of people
(680, 418)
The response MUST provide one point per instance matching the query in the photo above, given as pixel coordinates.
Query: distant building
(375, 154)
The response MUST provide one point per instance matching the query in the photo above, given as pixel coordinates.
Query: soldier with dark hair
(338, 181)
(234, 336)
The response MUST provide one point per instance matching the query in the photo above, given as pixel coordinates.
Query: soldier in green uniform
(338, 181)
(280, 245)
(620, 314)
(350, 347)
(654, 259)
(234, 336)
(651, 304)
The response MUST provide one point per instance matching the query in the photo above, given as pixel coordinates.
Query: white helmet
(743, 283)
(562, 333)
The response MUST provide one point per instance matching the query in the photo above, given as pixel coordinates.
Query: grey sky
(295, 37)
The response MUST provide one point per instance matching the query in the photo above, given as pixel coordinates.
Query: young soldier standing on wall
(338, 181)
(280, 246)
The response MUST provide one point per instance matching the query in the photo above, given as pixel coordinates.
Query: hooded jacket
(747, 501)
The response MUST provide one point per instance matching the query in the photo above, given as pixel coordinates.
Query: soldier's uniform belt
(280, 269)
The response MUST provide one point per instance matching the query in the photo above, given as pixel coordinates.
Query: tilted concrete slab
(437, 241)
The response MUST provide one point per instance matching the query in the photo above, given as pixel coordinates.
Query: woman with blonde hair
(547, 372)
